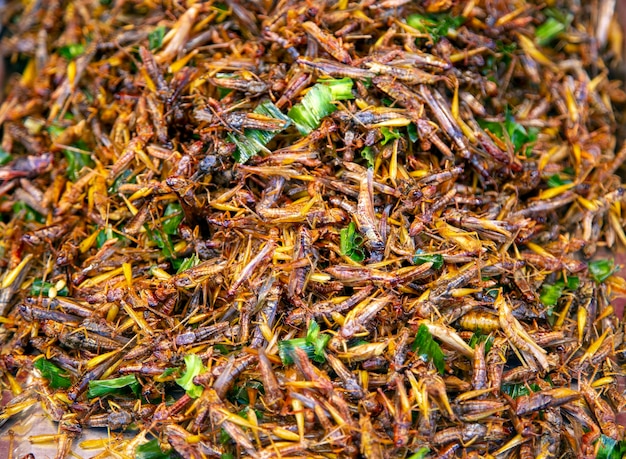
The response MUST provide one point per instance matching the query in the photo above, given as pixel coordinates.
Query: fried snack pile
(330, 229)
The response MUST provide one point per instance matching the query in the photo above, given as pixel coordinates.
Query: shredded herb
(59, 378)
(351, 243)
(428, 348)
(601, 270)
(188, 263)
(550, 293)
(100, 388)
(420, 258)
(313, 344)
(194, 367)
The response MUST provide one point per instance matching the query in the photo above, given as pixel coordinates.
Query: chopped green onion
(194, 368)
(152, 450)
(317, 103)
(59, 378)
(420, 258)
(155, 38)
(313, 345)
(255, 140)
(601, 270)
(351, 243)
(428, 348)
(103, 387)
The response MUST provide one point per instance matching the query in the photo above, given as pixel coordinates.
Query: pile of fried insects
(269, 229)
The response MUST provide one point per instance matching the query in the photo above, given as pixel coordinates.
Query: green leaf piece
(428, 348)
(59, 378)
(194, 367)
(152, 450)
(155, 38)
(72, 51)
(601, 270)
(313, 344)
(100, 388)
(173, 215)
(436, 259)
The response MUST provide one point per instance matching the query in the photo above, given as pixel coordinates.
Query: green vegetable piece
(39, 287)
(549, 30)
(313, 344)
(100, 388)
(420, 453)
(317, 103)
(436, 25)
(254, 141)
(369, 155)
(556, 180)
(155, 38)
(152, 450)
(550, 294)
(194, 367)
(71, 51)
(29, 214)
(436, 258)
(411, 130)
(188, 263)
(5, 157)
(389, 135)
(59, 378)
(76, 161)
(609, 448)
(477, 337)
(428, 348)
(174, 214)
(517, 390)
(351, 243)
(601, 270)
